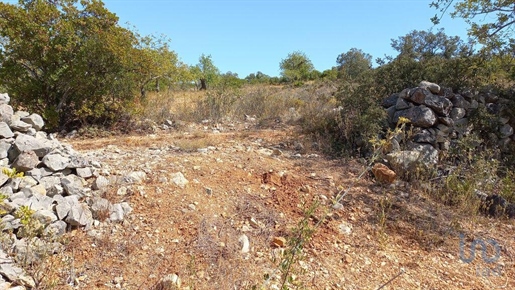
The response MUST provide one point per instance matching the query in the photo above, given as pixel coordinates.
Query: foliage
(498, 17)
(24, 213)
(353, 63)
(257, 78)
(11, 172)
(296, 67)
(207, 73)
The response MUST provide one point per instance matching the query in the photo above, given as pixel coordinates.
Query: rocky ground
(218, 208)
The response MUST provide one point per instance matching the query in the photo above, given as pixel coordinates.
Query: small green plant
(24, 213)
(11, 172)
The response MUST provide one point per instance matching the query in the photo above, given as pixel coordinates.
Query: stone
(3, 178)
(4, 98)
(55, 229)
(56, 162)
(134, 177)
(458, 113)
(383, 174)
(24, 143)
(101, 208)
(64, 205)
(5, 130)
(179, 179)
(390, 101)
(506, 131)
(17, 275)
(419, 95)
(84, 172)
(170, 281)
(424, 136)
(73, 185)
(440, 105)
(245, 244)
(117, 213)
(401, 104)
(420, 116)
(446, 121)
(410, 163)
(100, 183)
(6, 113)
(79, 215)
(45, 217)
(49, 181)
(432, 87)
(20, 126)
(77, 161)
(35, 120)
(25, 161)
(459, 102)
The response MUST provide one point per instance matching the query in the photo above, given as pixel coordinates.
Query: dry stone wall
(60, 186)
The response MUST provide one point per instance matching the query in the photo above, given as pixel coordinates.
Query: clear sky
(245, 36)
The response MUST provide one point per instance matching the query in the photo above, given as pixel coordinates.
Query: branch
(501, 28)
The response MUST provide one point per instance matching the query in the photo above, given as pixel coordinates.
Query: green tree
(491, 21)
(353, 63)
(206, 72)
(296, 67)
(61, 56)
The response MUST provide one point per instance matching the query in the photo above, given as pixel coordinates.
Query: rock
(20, 126)
(414, 163)
(420, 116)
(77, 161)
(100, 183)
(278, 242)
(25, 143)
(25, 161)
(345, 228)
(56, 162)
(64, 205)
(401, 104)
(6, 113)
(117, 213)
(73, 185)
(390, 101)
(383, 174)
(134, 177)
(245, 244)
(79, 215)
(170, 281)
(4, 98)
(440, 105)
(35, 120)
(459, 102)
(4, 148)
(419, 95)
(84, 172)
(179, 179)
(506, 131)
(17, 275)
(424, 136)
(458, 113)
(45, 217)
(55, 229)
(5, 130)
(432, 87)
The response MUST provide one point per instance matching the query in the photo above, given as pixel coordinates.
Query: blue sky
(245, 36)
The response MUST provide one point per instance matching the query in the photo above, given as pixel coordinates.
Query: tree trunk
(203, 85)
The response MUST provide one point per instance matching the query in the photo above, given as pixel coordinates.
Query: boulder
(5, 130)
(420, 116)
(35, 120)
(432, 87)
(25, 161)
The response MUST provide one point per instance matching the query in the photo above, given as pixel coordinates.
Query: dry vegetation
(383, 237)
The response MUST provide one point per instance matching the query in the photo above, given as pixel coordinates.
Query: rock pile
(439, 118)
(47, 183)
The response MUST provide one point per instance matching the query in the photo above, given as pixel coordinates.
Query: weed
(12, 173)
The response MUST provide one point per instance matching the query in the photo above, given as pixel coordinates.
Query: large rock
(419, 95)
(4, 98)
(5, 130)
(79, 215)
(25, 161)
(432, 87)
(420, 116)
(35, 120)
(440, 105)
(6, 113)
(56, 162)
(73, 185)
(390, 101)
(416, 163)
(24, 143)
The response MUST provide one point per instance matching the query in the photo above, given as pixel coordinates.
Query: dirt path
(253, 184)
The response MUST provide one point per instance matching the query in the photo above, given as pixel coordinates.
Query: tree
(353, 63)
(499, 17)
(63, 56)
(206, 71)
(296, 67)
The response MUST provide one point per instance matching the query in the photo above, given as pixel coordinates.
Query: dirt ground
(257, 184)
